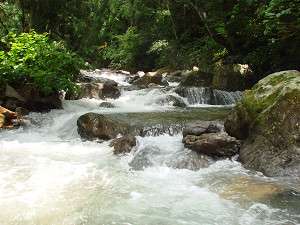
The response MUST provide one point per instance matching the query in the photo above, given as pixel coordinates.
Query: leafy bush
(10, 18)
(124, 51)
(33, 58)
(201, 53)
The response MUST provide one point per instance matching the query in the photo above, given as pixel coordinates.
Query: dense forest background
(150, 34)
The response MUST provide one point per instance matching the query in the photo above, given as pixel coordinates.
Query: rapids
(48, 176)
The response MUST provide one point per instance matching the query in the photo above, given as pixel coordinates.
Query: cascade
(208, 96)
(49, 176)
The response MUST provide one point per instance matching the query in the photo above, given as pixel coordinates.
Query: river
(49, 176)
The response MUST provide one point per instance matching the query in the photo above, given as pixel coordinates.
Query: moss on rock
(268, 118)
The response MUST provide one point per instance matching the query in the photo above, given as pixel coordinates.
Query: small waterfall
(196, 95)
(225, 97)
(209, 96)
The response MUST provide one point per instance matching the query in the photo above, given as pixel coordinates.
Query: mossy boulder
(231, 77)
(268, 119)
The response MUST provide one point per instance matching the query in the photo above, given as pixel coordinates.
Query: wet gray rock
(190, 160)
(150, 156)
(172, 101)
(97, 90)
(22, 111)
(197, 79)
(94, 87)
(123, 144)
(132, 79)
(148, 79)
(237, 123)
(145, 157)
(106, 105)
(93, 126)
(213, 144)
(202, 127)
(176, 76)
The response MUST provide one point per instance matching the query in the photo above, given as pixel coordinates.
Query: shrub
(33, 58)
(124, 50)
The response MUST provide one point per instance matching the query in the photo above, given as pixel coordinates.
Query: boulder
(197, 79)
(132, 79)
(202, 127)
(93, 126)
(148, 79)
(123, 144)
(189, 160)
(22, 111)
(107, 89)
(29, 97)
(91, 85)
(268, 119)
(231, 77)
(213, 144)
(94, 77)
(176, 76)
(172, 101)
(106, 105)
(7, 118)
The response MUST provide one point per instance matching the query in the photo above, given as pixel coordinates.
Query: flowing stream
(48, 176)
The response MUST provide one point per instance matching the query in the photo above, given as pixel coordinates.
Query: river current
(49, 176)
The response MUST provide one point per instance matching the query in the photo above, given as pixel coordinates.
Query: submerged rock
(123, 144)
(213, 144)
(106, 105)
(189, 160)
(150, 156)
(251, 189)
(144, 158)
(268, 119)
(96, 126)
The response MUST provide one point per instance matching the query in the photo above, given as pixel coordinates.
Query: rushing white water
(48, 176)
(203, 95)
(116, 76)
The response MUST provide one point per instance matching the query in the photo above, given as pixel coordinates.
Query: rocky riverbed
(179, 166)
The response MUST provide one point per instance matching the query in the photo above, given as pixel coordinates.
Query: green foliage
(148, 34)
(282, 19)
(10, 18)
(33, 58)
(124, 51)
